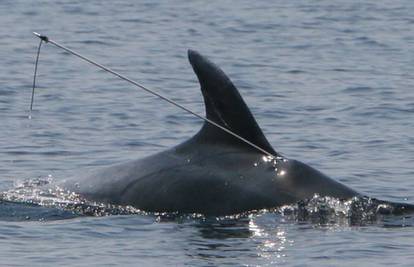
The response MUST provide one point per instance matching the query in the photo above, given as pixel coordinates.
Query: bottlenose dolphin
(212, 173)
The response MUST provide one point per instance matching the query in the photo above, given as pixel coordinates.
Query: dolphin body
(212, 173)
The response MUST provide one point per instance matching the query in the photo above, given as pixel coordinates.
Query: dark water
(330, 82)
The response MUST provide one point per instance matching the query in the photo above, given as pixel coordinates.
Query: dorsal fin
(225, 106)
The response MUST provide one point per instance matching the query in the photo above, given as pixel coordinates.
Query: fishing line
(34, 76)
(45, 39)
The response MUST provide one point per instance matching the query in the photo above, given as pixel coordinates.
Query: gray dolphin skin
(212, 173)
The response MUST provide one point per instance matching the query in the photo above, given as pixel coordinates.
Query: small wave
(358, 89)
(37, 192)
(329, 210)
(370, 42)
(296, 71)
(341, 70)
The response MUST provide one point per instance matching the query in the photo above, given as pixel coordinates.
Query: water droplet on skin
(267, 158)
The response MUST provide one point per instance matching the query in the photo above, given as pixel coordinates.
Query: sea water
(329, 82)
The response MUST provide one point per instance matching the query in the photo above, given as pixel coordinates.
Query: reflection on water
(253, 239)
(273, 243)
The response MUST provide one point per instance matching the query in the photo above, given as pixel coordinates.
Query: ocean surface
(330, 83)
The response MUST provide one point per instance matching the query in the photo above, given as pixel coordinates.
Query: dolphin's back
(207, 182)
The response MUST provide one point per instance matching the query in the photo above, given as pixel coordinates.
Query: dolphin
(212, 173)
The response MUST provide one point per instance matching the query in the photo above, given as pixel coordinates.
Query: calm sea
(330, 83)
